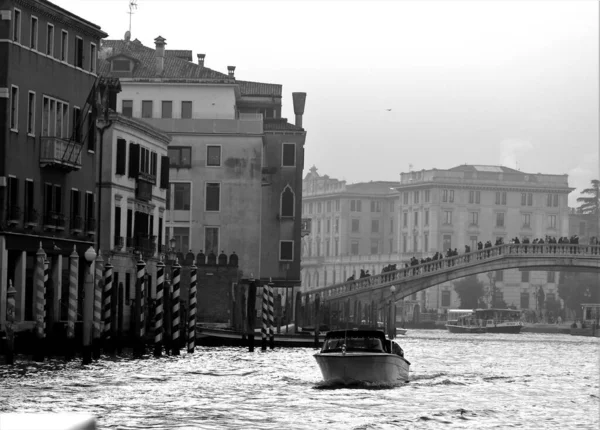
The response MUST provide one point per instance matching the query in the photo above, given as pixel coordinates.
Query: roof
(379, 187)
(174, 67)
(184, 54)
(249, 88)
(481, 168)
(279, 124)
(94, 27)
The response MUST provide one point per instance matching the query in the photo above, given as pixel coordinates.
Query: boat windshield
(357, 344)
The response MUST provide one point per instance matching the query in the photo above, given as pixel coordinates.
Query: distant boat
(463, 321)
(499, 320)
(357, 356)
(590, 323)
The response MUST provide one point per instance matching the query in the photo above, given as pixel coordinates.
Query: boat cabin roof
(353, 334)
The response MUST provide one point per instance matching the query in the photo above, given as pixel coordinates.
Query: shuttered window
(121, 156)
(134, 160)
(164, 172)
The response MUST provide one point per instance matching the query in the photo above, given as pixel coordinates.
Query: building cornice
(140, 126)
(484, 187)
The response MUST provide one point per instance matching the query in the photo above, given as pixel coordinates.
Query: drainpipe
(101, 130)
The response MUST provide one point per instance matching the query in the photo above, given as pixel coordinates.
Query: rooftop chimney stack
(160, 43)
(299, 101)
(201, 59)
(231, 70)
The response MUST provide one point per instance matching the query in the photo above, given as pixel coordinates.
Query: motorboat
(361, 356)
(463, 321)
(499, 320)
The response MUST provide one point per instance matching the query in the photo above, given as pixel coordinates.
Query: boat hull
(464, 329)
(354, 368)
(504, 328)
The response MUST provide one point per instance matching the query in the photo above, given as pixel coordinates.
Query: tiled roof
(248, 88)
(279, 124)
(374, 187)
(184, 54)
(174, 67)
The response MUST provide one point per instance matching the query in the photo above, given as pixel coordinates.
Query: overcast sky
(511, 83)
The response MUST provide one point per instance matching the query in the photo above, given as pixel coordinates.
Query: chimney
(231, 70)
(160, 43)
(299, 100)
(201, 59)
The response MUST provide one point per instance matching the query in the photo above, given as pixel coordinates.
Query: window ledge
(91, 151)
(30, 134)
(15, 130)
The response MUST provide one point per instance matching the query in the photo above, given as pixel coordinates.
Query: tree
(590, 199)
(470, 292)
(576, 288)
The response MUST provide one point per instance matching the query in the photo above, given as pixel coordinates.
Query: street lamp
(171, 255)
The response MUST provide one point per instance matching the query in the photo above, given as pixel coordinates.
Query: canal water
(473, 381)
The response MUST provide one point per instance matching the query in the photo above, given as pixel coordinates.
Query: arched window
(287, 202)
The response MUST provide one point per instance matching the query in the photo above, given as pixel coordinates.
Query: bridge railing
(450, 263)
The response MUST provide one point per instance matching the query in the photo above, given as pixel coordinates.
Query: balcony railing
(119, 242)
(143, 190)
(13, 214)
(31, 217)
(54, 220)
(90, 226)
(60, 153)
(76, 224)
(145, 244)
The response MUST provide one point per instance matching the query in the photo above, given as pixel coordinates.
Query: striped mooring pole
(11, 306)
(73, 297)
(107, 308)
(192, 309)
(40, 304)
(176, 341)
(97, 322)
(141, 321)
(271, 317)
(158, 319)
(265, 317)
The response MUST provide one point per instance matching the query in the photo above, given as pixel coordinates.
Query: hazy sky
(511, 83)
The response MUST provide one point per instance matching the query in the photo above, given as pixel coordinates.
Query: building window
(50, 40)
(355, 205)
(167, 109)
(76, 124)
(329, 206)
(415, 243)
(447, 217)
(427, 196)
(146, 108)
(375, 206)
(213, 155)
(288, 155)
(213, 197)
(186, 109)
(337, 225)
(180, 157)
(427, 217)
(75, 209)
(391, 225)
(552, 221)
(405, 219)
(286, 250)
(337, 205)
(416, 217)
(392, 204)
(405, 197)
(426, 242)
(473, 218)
(499, 219)
(524, 300)
(14, 108)
(445, 298)
(555, 200)
(500, 197)
(526, 220)
(355, 226)
(64, 46)
(127, 108)
(473, 240)
(525, 276)
(404, 242)
(551, 277)
(529, 199)
(375, 226)
(444, 196)
(451, 196)
(93, 58)
(31, 114)
(471, 196)
(354, 247)
(374, 247)
(287, 203)
(33, 33)
(17, 26)
(29, 207)
(416, 197)
(211, 240)
(523, 199)
(89, 212)
(328, 226)
(78, 52)
(500, 275)
(120, 65)
(182, 196)
(182, 239)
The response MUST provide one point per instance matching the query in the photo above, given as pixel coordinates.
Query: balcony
(145, 244)
(54, 221)
(143, 189)
(119, 242)
(60, 153)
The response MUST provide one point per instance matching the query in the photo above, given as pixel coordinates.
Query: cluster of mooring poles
(101, 328)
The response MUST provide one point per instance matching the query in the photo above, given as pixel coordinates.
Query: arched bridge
(412, 279)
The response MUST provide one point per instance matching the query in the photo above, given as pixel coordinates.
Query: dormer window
(121, 65)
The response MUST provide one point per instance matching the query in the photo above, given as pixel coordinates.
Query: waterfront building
(235, 164)
(468, 204)
(134, 180)
(352, 229)
(47, 145)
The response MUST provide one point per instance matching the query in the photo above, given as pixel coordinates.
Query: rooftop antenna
(132, 5)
